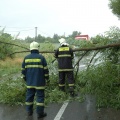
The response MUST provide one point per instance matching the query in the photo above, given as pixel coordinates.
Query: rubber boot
(71, 91)
(41, 115)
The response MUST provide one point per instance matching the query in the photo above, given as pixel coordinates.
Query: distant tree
(29, 39)
(50, 40)
(110, 37)
(113, 33)
(74, 34)
(115, 6)
(40, 39)
(56, 37)
(6, 35)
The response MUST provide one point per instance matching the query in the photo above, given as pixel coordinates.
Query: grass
(10, 66)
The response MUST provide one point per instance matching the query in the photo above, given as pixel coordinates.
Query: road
(67, 111)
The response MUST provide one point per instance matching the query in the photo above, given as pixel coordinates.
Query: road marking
(61, 111)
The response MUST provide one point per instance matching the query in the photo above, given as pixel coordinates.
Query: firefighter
(64, 55)
(36, 74)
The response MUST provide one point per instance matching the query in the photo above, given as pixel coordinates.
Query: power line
(15, 27)
(20, 30)
(24, 30)
(43, 32)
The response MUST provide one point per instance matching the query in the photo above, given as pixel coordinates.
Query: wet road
(68, 111)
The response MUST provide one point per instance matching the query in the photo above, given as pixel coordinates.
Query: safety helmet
(34, 46)
(63, 41)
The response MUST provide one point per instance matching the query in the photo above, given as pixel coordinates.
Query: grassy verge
(10, 66)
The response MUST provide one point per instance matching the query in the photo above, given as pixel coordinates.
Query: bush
(5, 49)
(103, 82)
(12, 91)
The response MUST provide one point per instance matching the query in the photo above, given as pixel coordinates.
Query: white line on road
(61, 111)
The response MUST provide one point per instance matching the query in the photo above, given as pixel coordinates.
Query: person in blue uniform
(64, 55)
(35, 72)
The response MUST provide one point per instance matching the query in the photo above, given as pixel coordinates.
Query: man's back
(64, 54)
(35, 71)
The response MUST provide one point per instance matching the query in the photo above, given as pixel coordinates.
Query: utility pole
(64, 34)
(35, 33)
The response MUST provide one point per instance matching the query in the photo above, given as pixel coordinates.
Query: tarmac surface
(68, 111)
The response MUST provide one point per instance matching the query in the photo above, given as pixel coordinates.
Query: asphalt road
(68, 111)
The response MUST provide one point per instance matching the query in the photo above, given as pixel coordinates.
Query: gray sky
(90, 17)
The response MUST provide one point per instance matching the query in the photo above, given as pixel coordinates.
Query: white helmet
(63, 41)
(34, 46)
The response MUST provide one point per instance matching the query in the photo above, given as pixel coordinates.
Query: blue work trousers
(30, 96)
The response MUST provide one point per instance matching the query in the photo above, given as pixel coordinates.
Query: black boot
(73, 94)
(41, 115)
(71, 91)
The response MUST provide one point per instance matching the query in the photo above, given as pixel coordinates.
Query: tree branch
(92, 59)
(13, 44)
(98, 48)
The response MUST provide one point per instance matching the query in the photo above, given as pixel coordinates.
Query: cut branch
(80, 58)
(77, 63)
(92, 59)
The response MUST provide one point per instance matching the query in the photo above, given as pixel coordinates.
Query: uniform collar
(34, 51)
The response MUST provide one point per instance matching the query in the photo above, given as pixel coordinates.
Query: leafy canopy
(115, 6)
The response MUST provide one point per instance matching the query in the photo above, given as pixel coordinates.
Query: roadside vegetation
(100, 78)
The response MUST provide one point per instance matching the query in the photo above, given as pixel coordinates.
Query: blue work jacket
(64, 55)
(35, 70)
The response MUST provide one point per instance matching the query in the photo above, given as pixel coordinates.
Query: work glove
(24, 78)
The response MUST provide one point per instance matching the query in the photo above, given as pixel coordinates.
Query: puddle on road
(102, 113)
(8, 112)
(108, 114)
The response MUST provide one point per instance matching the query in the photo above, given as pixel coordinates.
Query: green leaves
(103, 81)
(12, 91)
(115, 6)
(5, 49)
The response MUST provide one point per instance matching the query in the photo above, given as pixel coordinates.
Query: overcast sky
(90, 17)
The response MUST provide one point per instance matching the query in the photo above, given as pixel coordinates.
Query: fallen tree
(75, 50)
